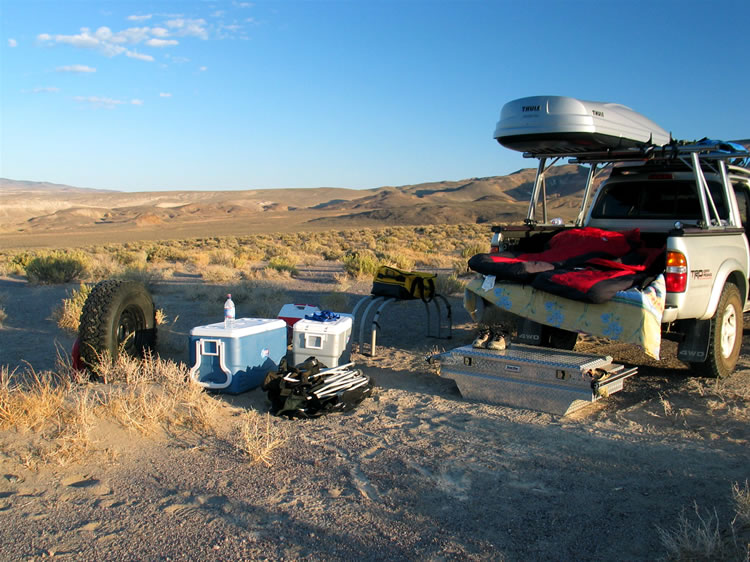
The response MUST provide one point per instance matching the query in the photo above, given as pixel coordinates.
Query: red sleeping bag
(585, 264)
(567, 248)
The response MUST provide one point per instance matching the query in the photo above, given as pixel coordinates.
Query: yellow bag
(392, 282)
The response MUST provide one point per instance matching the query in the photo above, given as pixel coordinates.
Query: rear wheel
(725, 338)
(118, 316)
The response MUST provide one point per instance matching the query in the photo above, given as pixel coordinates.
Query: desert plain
(415, 472)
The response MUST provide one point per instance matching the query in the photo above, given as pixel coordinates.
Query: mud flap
(529, 332)
(694, 348)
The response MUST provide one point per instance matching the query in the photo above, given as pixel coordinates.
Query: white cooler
(329, 342)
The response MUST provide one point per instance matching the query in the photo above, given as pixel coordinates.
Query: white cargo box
(559, 124)
(329, 342)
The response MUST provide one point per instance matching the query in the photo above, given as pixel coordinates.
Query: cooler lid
(338, 326)
(242, 327)
(297, 310)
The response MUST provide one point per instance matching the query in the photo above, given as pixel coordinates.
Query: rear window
(655, 200)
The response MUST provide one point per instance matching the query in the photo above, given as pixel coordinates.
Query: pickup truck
(688, 202)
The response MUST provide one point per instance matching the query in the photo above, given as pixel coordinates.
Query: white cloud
(106, 103)
(83, 40)
(112, 43)
(162, 42)
(139, 18)
(12, 43)
(97, 101)
(81, 68)
(139, 56)
(177, 59)
(46, 90)
(133, 35)
(189, 27)
(164, 95)
(203, 68)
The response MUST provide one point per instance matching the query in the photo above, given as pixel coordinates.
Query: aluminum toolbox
(549, 380)
(236, 359)
(560, 124)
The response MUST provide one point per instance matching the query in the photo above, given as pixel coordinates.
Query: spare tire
(118, 316)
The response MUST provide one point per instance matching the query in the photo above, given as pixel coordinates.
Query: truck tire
(118, 316)
(725, 339)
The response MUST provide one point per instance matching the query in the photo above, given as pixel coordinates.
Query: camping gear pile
(252, 352)
(310, 389)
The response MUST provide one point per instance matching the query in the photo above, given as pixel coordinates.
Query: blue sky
(143, 95)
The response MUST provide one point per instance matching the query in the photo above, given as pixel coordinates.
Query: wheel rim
(728, 331)
(131, 321)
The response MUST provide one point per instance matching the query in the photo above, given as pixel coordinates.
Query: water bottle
(229, 312)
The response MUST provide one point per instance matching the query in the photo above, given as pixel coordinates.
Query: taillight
(495, 243)
(676, 272)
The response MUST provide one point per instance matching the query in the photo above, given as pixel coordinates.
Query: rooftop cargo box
(563, 125)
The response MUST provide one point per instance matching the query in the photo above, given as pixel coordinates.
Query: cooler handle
(201, 351)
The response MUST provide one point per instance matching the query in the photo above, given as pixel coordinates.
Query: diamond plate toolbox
(548, 380)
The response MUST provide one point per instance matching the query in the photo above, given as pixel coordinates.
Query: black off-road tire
(118, 316)
(725, 339)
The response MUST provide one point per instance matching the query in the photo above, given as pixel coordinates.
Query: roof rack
(706, 150)
(711, 155)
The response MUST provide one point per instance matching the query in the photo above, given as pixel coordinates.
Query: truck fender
(730, 270)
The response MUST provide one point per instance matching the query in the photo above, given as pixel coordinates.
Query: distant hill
(49, 214)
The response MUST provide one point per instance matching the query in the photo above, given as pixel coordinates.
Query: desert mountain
(40, 213)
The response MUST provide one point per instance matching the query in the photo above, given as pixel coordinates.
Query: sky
(140, 95)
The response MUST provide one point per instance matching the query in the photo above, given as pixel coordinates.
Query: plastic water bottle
(229, 312)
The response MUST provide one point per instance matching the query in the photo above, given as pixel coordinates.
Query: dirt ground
(415, 472)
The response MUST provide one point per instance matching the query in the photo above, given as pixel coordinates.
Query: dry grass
(264, 256)
(700, 536)
(68, 313)
(219, 273)
(741, 500)
(449, 285)
(258, 437)
(336, 301)
(3, 314)
(150, 397)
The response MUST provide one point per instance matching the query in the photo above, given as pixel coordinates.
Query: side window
(743, 201)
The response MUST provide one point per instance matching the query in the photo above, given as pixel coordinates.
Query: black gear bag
(310, 390)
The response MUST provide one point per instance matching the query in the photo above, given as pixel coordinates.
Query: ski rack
(696, 156)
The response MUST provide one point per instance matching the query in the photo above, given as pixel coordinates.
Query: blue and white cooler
(236, 359)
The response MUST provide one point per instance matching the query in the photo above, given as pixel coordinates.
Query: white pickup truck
(691, 200)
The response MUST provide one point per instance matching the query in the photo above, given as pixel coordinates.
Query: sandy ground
(415, 472)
